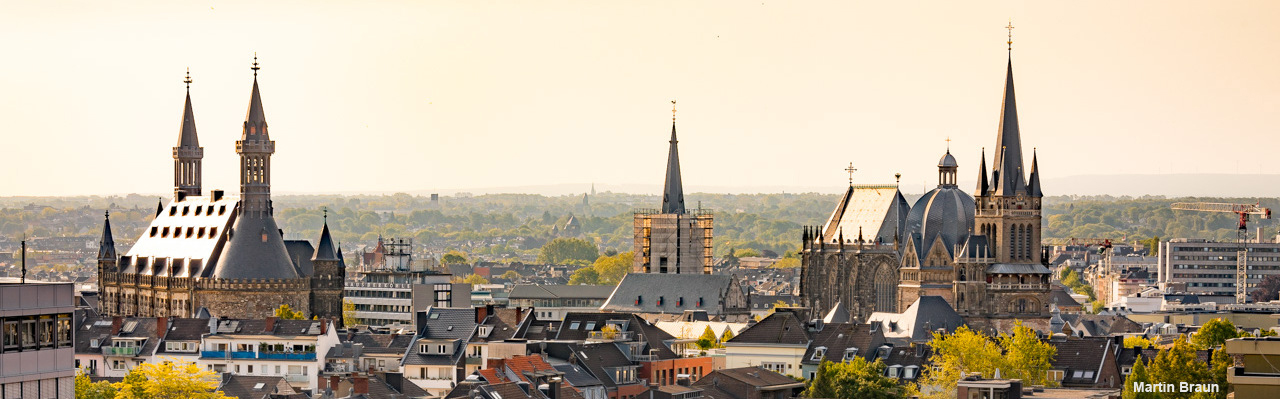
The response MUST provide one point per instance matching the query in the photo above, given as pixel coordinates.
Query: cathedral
(981, 252)
(218, 252)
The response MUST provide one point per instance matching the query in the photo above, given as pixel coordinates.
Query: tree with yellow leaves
(169, 380)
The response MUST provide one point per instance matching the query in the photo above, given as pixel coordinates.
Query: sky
(425, 96)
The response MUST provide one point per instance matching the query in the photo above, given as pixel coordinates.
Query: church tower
(255, 148)
(327, 282)
(673, 239)
(188, 153)
(107, 266)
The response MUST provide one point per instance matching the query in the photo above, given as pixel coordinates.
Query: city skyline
(415, 97)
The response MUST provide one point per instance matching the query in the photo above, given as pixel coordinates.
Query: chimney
(553, 388)
(162, 326)
(115, 324)
(324, 327)
(482, 312)
(270, 325)
(334, 381)
(360, 384)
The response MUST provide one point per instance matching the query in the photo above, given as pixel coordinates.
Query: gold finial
(850, 169)
(673, 111)
(1010, 28)
(188, 79)
(255, 66)
(948, 144)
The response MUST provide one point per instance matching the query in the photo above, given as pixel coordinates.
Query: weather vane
(1010, 28)
(255, 67)
(850, 169)
(673, 111)
(188, 79)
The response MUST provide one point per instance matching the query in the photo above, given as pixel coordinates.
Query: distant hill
(1173, 185)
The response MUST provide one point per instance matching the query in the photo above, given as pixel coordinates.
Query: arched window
(886, 287)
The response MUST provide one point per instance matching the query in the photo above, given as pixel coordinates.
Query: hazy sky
(427, 95)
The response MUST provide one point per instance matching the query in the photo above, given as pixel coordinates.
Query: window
(573, 325)
(849, 354)
(892, 372)
(591, 325)
(818, 353)
(295, 370)
(164, 233)
(440, 349)
(776, 367)
(118, 365)
(11, 341)
(1077, 375)
(909, 373)
(213, 232)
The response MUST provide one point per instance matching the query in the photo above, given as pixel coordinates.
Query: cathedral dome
(945, 212)
(947, 161)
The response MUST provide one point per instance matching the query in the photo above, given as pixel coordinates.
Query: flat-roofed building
(1210, 266)
(37, 355)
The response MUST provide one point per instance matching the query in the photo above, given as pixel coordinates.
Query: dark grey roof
(577, 376)
(187, 132)
(839, 337)
(673, 189)
(838, 314)
(183, 329)
(945, 213)
(254, 250)
(947, 161)
(982, 175)
(539, 291)
(1059, 295)
(975, 247)
(1007, 176)
(1017, 268)
(456, 324)
(325, 249)
(750, 376)
(254, 115)
(247, 386)
(107, 246)
(642, 292)
(300, 252)
(781, 327)
(1033, 187)
(1085, 354)
(917, 323)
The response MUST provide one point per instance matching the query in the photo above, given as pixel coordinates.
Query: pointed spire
(982, 174)
(673, 189)
(1008, 162)
(159, 207)
(106, 247)
(187, 132)
(255, 117)
(1033, 187)
(325, 248)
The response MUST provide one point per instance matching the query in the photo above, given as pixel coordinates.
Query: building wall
(742, 355)
(39, 365)
(664, 372)
(673, 243)
(252, 300)
(1208, 266)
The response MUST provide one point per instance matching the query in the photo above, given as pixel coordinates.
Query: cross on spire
(1010, 28)
(673, 111)
(255, 66)
(850, 169)
(948, 143)
(188, 79)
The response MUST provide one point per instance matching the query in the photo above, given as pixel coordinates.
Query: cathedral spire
(255, 148)
(255, 121)
(673, 189)
(1033, 188)
(1007, 167)
(982, 174)
(187, 155)
(107, 247)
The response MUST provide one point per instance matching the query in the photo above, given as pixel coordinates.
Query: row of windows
(265, 369)
(27, 333)
(383, 308)
(1228, 258)
(379, 294)
(1230, 248)
(173, 210)
(1225, 267)
(191, 231)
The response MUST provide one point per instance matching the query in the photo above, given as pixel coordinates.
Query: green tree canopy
(511, 275)
(1137, 342)
(475, 279)
(856, 379)
(1213, 333)
(87, 389)
(1028, 358)
(708, 339)
(454, 258)
(1178, 363)
(611, 269)
(568, 251)
(287, 313)
(584, 276)
(1138, 375)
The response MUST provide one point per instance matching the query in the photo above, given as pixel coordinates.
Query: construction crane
(1242, 234)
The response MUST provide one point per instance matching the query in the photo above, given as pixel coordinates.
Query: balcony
(609, 336)
(227, 355)
(644, 358)
(287, 355)
(474, 360)
(1017, 287)
(297, 378)
(126, 351)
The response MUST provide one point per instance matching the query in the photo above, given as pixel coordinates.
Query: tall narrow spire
(982, 175)
(673, 189)
(255, 121)
(325, 250)
(107, 246)
(255, 148)
(187, 155)
(1033, 187)
(1008, 163)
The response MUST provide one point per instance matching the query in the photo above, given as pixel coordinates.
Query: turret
(187, 155)
(255, 148)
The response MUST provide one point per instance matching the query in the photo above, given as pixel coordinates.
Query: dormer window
(222, 209)
(424, 349)
(173, 210)
(154, 229)
(909, 372)
(850, 354)
(484, 331)
(213, 232)
(186, 210)
(200, 233)
(893, 370)
(164, 233)
(199, 208)
(818, 353)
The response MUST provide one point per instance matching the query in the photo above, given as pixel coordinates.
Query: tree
(584, 276)
(964, 351)
(475, 279)
(568, 251)
(611, 269)
(746, 253)
(855, 379)
(348, 313)
(609, 331)
(728, 335)
(169, 380)
(1137, 375)
(1137, 342)
(454, 258)
(1218, 365)
(708, 339)
(786, 263)
(1268, 289)
(1213, 333)
(510, 275)
(1028, 357)
(284, 312)
(87, 389)
(1179, 363)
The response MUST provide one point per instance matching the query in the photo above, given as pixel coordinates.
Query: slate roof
(673, 189)
(1059, 295)
(254, 250)
(1017, 268)
(945, 213)
(457, 324)
(284, 328)
(642, 292)
(577, 376)
(164, 247)
(876, 212)
(246, 386)
(538, 291)
(975, 247)
(917, 323)
(300, 253)
(781, 327)
(1084, 354)
(723, 384)
(837, 338)
(639, 327)
(1007, 172)
(187, 130)
(506, 390)
(325, 250)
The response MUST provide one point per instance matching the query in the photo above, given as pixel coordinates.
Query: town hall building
(219, 252)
